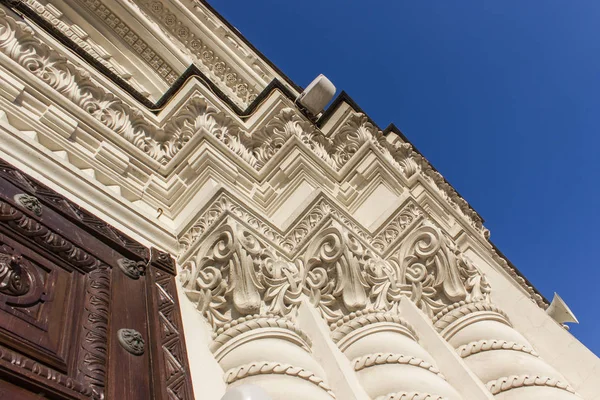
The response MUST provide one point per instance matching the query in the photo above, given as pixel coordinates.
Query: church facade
(175, 225)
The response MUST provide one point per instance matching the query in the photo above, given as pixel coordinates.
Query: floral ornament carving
(397, 226)
(236, 275)
(354, 133)
(132, 341)
(14, 280)
(133, 269)
(435, 274)
(29, 202)
(199, 115)
(288, 124)
(343, 276)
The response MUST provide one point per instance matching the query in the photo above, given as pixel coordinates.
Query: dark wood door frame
(76, 297)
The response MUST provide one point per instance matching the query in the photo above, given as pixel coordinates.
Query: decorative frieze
(54, 16)
(218, 69)
(163, 144)
(435, 273)
(167, 72)
(237, 275)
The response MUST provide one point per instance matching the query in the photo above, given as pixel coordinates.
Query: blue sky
(503, 97)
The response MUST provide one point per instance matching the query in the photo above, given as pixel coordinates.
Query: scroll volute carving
(235, 274)
(335, 275)
(434, 273)
(19, 280)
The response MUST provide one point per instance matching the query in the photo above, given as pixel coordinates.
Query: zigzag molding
(310, 220)
(163, 143)
(335, 151)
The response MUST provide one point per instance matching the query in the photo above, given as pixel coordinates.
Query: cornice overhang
(256, 120)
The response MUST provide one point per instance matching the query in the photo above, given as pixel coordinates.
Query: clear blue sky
(503, 97)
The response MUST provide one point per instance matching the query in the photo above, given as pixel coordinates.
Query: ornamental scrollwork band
(250, 291)
(236, 274)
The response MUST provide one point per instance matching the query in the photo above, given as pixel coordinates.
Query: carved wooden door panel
(85, 311)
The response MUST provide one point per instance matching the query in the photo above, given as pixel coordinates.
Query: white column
(500, 356)
(456, 295)
(249, 294)
(357, 295)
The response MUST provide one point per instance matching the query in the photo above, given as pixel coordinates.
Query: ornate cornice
(275, 368)
(18, 39)
(163, 143)
(138, 45)
(235, 274)
(513, 382)
(222, 72)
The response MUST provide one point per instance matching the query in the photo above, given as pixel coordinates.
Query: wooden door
(85, 311)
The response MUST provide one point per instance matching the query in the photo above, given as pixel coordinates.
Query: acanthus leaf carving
(236, 275)
(266, 142)
(343, 276)
(435, 274)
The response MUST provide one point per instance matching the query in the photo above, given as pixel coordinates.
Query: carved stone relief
(222, 72)
(132, 40)
(54, 69)
(435, 273)
(236, 275)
